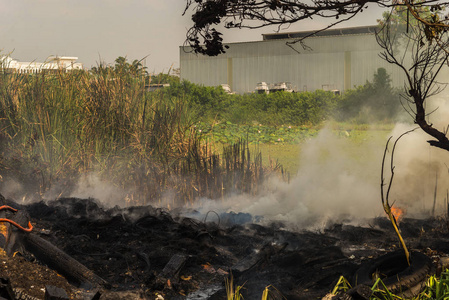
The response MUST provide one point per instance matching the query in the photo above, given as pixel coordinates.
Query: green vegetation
(212, 104)
(234, 292)
(372, 102)
(436, 288)
(228, 132)
(189, 140)
(54, 129)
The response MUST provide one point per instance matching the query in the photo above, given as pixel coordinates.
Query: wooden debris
(61, 262)
(251, 261)
(172, 269)
(55, 293)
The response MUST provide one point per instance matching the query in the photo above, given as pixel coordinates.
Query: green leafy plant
(228, 132)
(436, 287)
(381, 292)
(342, 285)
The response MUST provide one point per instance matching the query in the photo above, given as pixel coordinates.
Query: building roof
(56, 57)
(334, 31)
(66, 63)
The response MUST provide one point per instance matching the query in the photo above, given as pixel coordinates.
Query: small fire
(397, 212)
(208, 268)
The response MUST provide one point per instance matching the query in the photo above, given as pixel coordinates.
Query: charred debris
(78, 249)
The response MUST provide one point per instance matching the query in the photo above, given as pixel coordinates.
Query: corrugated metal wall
(334, 62)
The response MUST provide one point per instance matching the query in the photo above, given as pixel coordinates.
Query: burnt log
(58, 260)
(397, 276)
(47, 253)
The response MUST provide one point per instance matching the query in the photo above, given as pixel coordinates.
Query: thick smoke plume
(339, 180)
(333, 181)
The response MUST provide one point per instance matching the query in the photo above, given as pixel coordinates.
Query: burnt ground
(134, 248)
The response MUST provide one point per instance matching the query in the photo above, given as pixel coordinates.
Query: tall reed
(56, 127)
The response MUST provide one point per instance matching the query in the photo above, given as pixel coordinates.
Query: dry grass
(55, 128)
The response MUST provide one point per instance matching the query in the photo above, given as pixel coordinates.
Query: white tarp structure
(53, 63)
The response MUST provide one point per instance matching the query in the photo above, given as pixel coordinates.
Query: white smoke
(12, 189)
(421, 173)
(92, 186)
(340, 180)
(331, 182)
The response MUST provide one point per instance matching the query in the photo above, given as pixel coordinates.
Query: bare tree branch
(204, 37)
(427, 58)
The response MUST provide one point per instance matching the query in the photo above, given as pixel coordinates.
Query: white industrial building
(52, 64)
(337, 59)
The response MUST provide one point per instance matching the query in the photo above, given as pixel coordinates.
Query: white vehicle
(336, 92)
(226, 88)
(262, 87)
(282, 86)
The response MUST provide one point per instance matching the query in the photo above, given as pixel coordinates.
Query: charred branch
(385, 196)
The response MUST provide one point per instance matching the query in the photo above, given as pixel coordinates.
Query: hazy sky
(95, 30)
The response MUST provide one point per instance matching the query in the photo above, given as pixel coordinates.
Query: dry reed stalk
(58, 127)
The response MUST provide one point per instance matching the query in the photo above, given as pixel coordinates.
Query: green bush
(286, 108)
(206, 103)
(275, 109)
(376, 101)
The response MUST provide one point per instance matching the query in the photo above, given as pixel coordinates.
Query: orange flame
(208, 268)
(398, 213)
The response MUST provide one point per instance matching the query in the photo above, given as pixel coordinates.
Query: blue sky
(95, 30)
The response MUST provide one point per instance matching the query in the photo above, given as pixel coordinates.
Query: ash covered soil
(134, 249)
